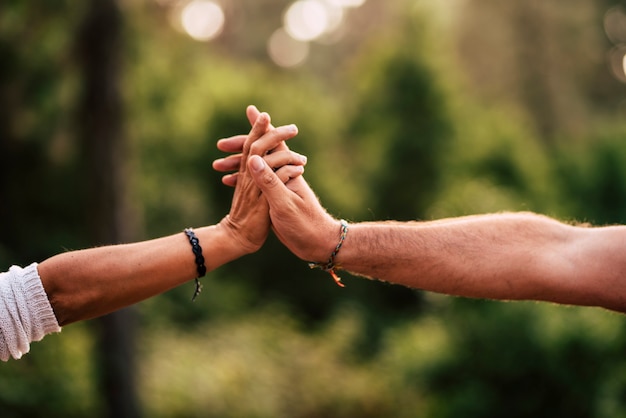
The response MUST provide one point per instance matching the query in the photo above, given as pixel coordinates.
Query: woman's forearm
(89, 283)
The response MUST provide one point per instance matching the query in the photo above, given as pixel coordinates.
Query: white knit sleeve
(25, 311)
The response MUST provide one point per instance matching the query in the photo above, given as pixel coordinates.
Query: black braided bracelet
(197, 251)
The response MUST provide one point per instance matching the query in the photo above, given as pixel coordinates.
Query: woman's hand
(248, 221)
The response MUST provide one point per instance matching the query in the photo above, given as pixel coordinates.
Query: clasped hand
(270, 190)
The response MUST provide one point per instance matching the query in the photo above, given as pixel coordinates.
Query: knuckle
(255, 148)
(269, 179)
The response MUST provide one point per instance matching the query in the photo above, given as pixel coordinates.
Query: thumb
(266, 179)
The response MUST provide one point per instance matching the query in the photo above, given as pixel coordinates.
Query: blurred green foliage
(402, 127)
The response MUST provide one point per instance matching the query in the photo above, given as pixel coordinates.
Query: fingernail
(303, 159)
(293, 128)
(257, 163)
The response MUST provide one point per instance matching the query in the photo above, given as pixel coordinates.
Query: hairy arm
(512, 256)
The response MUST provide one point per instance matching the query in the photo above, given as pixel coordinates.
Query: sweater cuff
(44, 320)
(25, 311)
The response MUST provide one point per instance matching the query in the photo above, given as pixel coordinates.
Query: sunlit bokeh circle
(617, 62)
(202, 19)
(347, 3)
(286, 51)
(335, 15)
(615, 24)
(306, 20)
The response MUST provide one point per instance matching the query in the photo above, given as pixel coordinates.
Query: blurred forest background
(407, 109)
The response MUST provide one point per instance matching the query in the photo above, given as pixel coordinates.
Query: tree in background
(107, 168)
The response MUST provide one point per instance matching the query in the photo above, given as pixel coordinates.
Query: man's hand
(248, 221)
(298, 218)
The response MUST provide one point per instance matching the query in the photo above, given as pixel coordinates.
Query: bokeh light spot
(617, 62)
(202, 19)
(286, 51)
(306, 20)
(615, 25)
(346, 3)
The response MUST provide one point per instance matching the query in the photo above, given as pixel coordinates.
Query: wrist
(331, 265)
(234, 238)
(329, 237)
(218, 245)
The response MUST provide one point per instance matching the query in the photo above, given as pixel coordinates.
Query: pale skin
(507, 256)
(89, 283)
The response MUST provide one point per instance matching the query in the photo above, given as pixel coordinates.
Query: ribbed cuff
(43, 319)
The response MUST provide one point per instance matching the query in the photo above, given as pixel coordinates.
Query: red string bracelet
(330, 266)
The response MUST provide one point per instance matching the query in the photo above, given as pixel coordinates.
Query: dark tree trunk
(106, 158)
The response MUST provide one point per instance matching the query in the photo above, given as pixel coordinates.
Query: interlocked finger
(279, 159)
(289, 172)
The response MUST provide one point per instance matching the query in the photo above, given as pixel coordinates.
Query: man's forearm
(501, 256)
